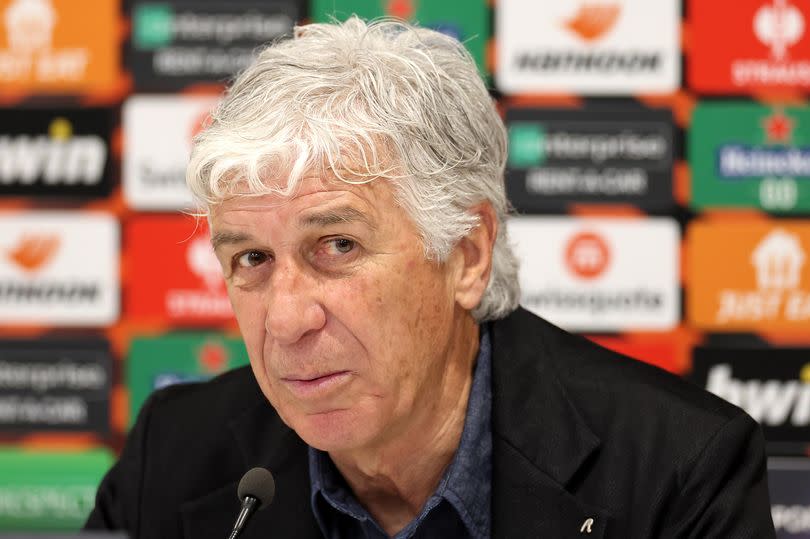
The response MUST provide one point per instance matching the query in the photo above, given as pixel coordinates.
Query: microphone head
(258, 483)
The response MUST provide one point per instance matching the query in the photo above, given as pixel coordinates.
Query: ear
(473, 257)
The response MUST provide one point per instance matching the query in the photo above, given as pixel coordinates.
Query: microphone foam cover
(259, 483)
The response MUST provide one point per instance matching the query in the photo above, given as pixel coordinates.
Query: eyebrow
(226, 237)
(336, 216)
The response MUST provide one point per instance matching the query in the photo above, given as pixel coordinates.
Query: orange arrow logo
(33, 251)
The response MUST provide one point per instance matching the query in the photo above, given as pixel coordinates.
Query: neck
(394, 480)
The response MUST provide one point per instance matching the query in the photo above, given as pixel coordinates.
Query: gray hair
(364, 101)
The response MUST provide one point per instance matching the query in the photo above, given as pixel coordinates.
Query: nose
(293, 309)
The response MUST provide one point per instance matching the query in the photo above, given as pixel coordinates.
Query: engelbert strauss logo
(195, 302)
(778, 26)
(778, 260)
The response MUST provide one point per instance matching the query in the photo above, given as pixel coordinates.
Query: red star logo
(402, 9)
(778, 127)
(213, 357)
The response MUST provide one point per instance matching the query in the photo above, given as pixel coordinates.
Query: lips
(318, 386)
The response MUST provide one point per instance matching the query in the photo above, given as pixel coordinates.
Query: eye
(343, 245)
(251, 259)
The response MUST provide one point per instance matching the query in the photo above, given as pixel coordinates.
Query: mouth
(318, 386)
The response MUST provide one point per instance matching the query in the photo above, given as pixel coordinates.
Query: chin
(338, 430)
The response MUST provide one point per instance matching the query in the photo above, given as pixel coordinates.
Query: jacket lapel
(263, 440)
(540, 440)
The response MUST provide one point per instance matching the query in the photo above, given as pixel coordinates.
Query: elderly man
(353, 181)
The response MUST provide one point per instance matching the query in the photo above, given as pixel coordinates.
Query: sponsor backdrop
(659, 176)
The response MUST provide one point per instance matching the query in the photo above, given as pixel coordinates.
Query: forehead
(369, 201)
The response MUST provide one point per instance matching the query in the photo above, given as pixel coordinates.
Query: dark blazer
(579, 433)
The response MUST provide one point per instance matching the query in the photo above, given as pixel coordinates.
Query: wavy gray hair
(365, 101)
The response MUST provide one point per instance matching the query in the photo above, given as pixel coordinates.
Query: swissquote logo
(777, 260)
(597, 46)
(771, 402)
(58, 268)
(159, 131)
(778, 25)
(599, 274)
(587, 255)
(56, 158)
(209, 300)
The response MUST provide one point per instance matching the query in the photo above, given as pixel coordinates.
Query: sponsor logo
(48, 275)
(158, 133)
(765, 171)
(603, 46)
(767, 289)
(49, 385)
(34, 251)
(767, 45)
(188, 286)
(34, 497)
(559, 157)
(790, 500)
(156, 362)
(48, 153)
(771, 385)
(587, 255)
(212, 300)
(584, 274)
(186, 42)
(593, 19)
(778, 26)
(770, 402)
(44, 44)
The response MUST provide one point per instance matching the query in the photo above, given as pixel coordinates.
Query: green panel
(746, 155)
(152, 26)
(526, 145)
(466, 20)
(42, 491)
(175, 358)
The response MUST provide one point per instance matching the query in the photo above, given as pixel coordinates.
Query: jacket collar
(540, 439)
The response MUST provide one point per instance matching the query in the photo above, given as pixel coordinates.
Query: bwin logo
(59, 158)
(770, 402)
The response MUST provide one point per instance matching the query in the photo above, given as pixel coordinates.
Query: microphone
(256, 490)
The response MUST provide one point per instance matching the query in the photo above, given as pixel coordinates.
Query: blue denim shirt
(459, 508)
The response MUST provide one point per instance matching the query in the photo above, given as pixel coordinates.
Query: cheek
(251, 314)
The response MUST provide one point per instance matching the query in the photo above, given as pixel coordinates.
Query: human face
(351, 332)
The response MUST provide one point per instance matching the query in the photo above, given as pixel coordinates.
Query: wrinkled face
(346, 323)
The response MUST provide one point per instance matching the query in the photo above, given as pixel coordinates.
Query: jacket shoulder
(627, 398)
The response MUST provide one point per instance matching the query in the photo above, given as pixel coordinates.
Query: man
(353, 181)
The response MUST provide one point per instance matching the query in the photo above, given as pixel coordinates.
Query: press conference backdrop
(659, 162)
